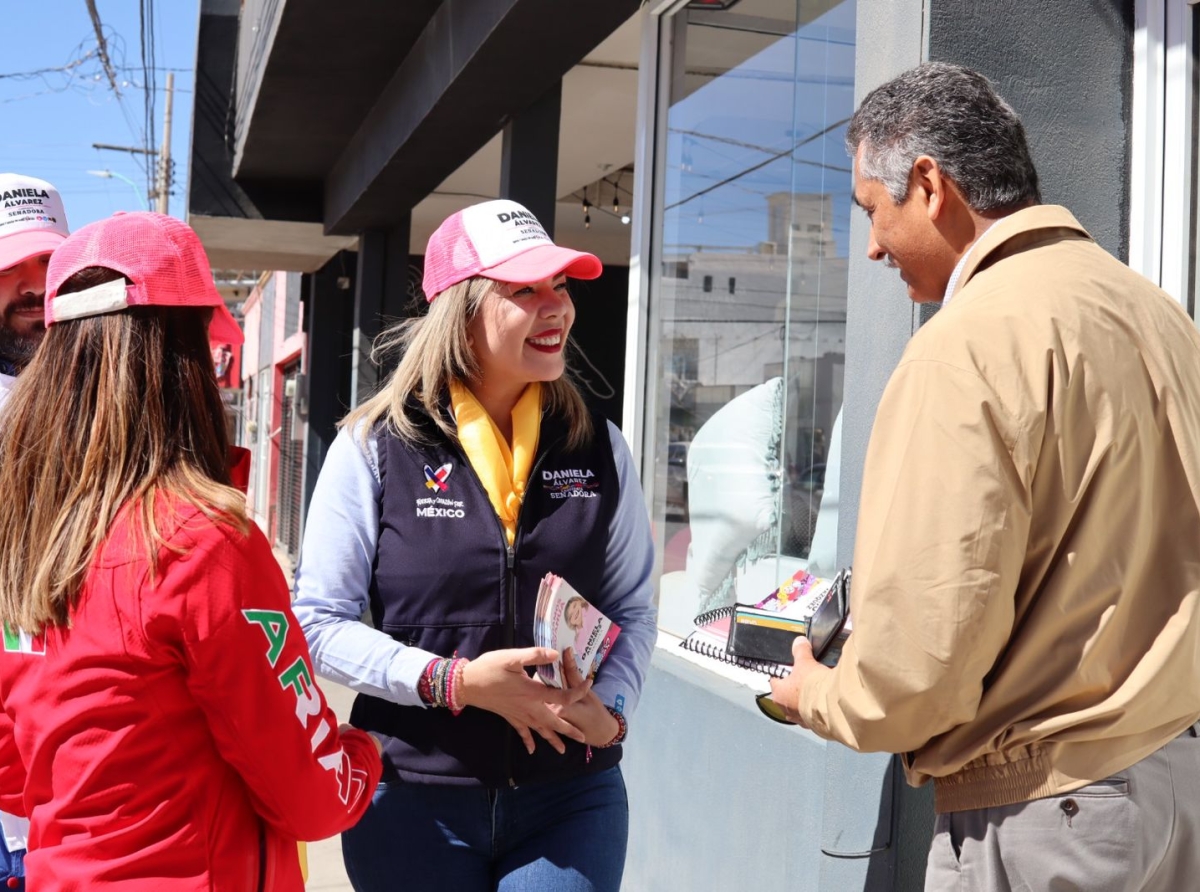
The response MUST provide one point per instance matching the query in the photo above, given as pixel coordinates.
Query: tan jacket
(1027, 561)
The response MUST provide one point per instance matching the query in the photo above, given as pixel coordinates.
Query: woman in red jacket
(160, 723)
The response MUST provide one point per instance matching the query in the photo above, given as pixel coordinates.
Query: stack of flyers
(563, 618)
(798, 596)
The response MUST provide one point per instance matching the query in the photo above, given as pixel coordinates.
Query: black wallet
(767, 639)
(760, 635)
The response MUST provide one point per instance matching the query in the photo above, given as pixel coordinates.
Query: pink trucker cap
(32, 219)
(499, 240)
(160, 255)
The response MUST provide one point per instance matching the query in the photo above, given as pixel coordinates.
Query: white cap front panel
(500, 230)
(28, 204)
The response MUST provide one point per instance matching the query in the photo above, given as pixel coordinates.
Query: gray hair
(953, 115)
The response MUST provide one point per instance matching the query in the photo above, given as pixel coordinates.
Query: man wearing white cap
(32, 224)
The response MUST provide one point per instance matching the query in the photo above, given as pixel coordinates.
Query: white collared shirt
(962, 262)
(16, 832)
(6, 384)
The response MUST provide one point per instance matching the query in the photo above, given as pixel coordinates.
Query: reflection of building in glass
(738, 318)
(806, 218)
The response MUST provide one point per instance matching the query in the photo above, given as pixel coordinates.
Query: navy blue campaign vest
(445, 580)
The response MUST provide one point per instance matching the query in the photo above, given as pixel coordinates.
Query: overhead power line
(39, 72)
(741, 173)
(95, 65)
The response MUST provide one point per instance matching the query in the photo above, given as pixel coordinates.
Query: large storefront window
(748, 297)
(1163, 167)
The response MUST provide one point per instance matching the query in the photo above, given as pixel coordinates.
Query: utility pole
(133, 150)
(102, 46)
(164, 156)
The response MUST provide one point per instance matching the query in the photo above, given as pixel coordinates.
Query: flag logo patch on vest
(18, 641)
(438, 505)
(436, 480)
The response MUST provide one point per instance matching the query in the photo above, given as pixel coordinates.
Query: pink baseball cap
(500, 240)
(160, 255)
(32, 219)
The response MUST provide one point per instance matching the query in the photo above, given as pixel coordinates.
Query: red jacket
(173, 737)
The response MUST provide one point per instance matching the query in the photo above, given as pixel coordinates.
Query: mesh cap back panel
(449, 258)
(161, 255)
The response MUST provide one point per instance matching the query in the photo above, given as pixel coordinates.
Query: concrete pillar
(380, 296)
(329, 321)
(529, 157)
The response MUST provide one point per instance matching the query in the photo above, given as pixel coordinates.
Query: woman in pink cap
(442, 503)
(159, 723)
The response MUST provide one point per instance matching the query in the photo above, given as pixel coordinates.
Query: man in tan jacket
(1026, 594)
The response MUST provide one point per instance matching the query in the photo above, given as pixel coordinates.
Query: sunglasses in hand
(771, 709)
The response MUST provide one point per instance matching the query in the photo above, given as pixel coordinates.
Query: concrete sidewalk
(326, 873)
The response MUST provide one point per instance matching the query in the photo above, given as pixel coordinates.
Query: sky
(774, 123)
(49, 120)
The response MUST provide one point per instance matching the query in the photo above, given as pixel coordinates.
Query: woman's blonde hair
(112, 413)
(435, 349)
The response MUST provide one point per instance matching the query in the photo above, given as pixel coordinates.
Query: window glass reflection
(749, 296)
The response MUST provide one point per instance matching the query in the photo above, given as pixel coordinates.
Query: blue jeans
(12, 867)
(559, 836)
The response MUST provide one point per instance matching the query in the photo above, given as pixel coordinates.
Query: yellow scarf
(503, 471)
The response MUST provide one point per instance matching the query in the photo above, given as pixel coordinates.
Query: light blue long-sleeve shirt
(334, 575)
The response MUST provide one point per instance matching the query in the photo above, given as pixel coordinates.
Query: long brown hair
(435, 350)
(113, 412)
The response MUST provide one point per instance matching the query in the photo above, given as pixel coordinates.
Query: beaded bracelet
(454, 685)
(440, 684)
(622, 730)
(425, 684)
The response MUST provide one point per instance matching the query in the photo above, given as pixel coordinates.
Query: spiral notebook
(791, 604)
